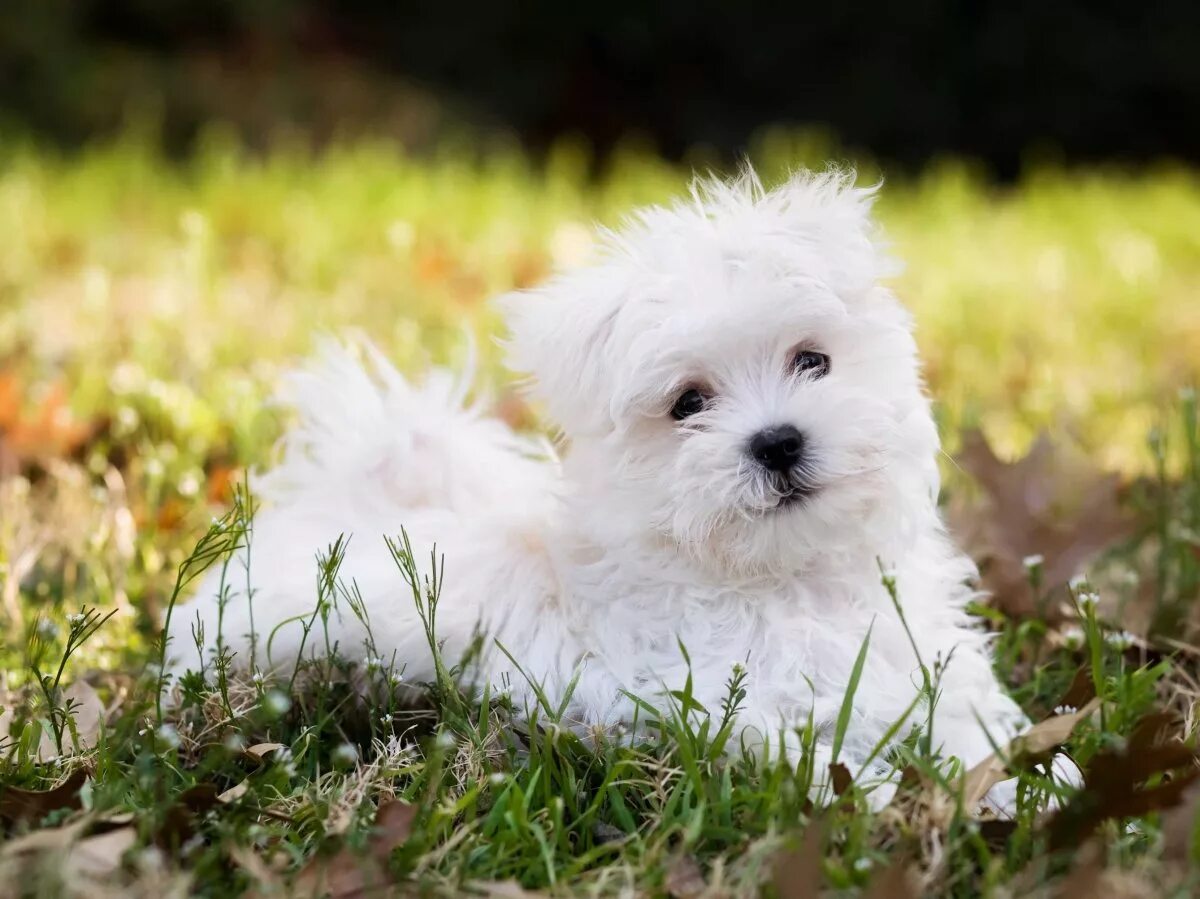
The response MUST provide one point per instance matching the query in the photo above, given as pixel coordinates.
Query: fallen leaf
(893, 882)
(798, 871)
(33, 435)
(33, 805)
(1181, 838)
(684, 878)
(1081, 691)
(260, 751)
(86, 712)
(98, 856)
(1037, 740)
(840, 778)
(348, 874)
(179, 822)
(1052, 503)
(1116, 782)
(1086, 878)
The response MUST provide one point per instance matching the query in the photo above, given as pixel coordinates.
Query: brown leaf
(1116, 782)
(1052, 503)
(840, 778)
(1180, 837)
(179, 823)
(798, 871)
(260, 751)
(1081, 691)
(45, 431)
(100, 855)
(1086, 877)
(90, 848)
(33, 805)
(87, 713)
(348, 874)
(1038, 739)
(684, 878)
(893, 882)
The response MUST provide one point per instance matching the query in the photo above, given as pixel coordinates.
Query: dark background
(997, 81)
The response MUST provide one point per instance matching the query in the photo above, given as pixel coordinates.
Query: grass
(146, 309)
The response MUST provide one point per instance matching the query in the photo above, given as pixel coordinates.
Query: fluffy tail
(367, 437)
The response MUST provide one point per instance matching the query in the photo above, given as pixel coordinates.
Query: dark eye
(811, 362)
(689, 403)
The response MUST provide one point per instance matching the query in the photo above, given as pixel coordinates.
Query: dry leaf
(87, 713)
(798, 871)
(1086, 877)
(1180, 837)
(100, 855)
(893, 882)
(1052, 504)
(1115, 781)
(684, 878)
(47, 431)
(1040, 738)
(840, 778)
(260, 751)
(349, 874)
(33, 805)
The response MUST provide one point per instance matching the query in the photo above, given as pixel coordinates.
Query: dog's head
(733, 378)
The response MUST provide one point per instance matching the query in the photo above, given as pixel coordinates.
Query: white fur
(654, 531)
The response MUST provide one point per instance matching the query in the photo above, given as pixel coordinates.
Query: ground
(146, 308)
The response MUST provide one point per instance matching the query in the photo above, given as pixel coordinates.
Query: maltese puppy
(749, 472)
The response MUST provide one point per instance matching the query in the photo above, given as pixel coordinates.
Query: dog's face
(734, 380)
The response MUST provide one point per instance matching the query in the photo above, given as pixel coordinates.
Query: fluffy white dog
(747, 443)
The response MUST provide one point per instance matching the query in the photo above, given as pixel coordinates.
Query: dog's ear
(561, 336)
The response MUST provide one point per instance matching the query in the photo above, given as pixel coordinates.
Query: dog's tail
(366, 437)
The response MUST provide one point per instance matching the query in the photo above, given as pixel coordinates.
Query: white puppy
(747, 444)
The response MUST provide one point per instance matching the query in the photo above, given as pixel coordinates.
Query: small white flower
(346, 755)
(235, 742)
(151, 859)
(1034, 561)
(739, 668)
(1088, 599)
(395, 678)
(374, 663)
(1073, 637)
(277, 702)
(168, 735)
(258, 677)
(127, 419)
(385, 719)
(189, 485)
(1065, 710)
(1120, 640)
(863, 864)
(47, 629)
(445, 740)
(75, 618)
(497, 777)
(1078, 583)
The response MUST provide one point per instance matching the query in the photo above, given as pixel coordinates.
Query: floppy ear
(561, 336)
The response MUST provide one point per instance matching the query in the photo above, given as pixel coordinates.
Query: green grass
(146, 309)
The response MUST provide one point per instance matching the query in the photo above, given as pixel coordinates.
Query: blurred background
(190, 193)
(1002, 83)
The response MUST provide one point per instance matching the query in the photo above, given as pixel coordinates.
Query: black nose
(777, 449)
